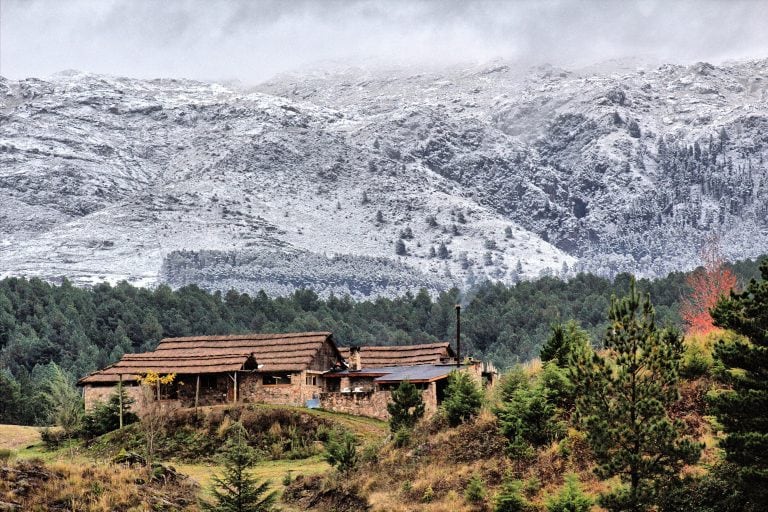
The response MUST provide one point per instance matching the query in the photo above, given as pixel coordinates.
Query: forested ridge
(46, 327)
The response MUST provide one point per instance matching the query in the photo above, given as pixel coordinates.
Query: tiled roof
(218, 354)
(402, 355)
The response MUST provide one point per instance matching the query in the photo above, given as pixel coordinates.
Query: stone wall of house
(93, 395)
(374, 403)
(252, 389)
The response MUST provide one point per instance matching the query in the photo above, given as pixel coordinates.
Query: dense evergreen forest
(45, 328)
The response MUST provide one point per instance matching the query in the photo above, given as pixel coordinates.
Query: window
(271, 379)
(311, 380)
(208, 382)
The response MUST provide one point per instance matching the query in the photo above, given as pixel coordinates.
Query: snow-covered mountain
(377, 181)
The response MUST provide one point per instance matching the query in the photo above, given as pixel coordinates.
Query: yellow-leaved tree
(154, 412)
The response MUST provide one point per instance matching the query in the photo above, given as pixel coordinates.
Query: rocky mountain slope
(377, 181)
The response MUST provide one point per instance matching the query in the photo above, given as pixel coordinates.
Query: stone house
(300, 369)
(284, 369)
(364, 388)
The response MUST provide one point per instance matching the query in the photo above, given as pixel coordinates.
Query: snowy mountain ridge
(374, 182)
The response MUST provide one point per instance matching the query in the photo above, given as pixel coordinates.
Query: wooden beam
(235, 387)
(120, 397)
(197, 392)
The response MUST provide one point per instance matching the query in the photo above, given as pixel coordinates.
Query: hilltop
(376, 181)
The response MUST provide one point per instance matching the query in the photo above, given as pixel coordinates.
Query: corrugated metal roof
(391, 374)
(365, 372)
(420, 373)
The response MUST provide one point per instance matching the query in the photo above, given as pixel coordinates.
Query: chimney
(354, 358)
(458, 335)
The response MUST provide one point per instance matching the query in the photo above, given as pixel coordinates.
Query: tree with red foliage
(707, 284)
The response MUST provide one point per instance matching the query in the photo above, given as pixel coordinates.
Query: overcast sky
(251, 40)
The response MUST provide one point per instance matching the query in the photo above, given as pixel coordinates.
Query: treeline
(46, 327)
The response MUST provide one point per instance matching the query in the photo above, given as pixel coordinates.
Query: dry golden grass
(90, 488)
(272, 470)
(14, 437)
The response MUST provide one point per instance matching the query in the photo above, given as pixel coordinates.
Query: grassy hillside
(83, 476)
(434, 471)
(14, 437)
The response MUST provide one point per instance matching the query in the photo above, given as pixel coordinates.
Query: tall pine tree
(626, 392)
(743, 409)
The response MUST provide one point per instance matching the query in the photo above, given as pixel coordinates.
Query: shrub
(370, 453)
(475, 491)
(697, 358)
(5, 455)
(557, 387)
(341, 451)
(695, 364)
(52, 438)
(717, 491)
(510, 382)
(565, 342)
(463, 398)
(105, 417)
(510, 498)
(402, 437)
(406, 407)
(532, 486)
(571, 498)
(529, 418)
(429, 495)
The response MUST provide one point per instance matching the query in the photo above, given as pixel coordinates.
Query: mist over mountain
(377, 180)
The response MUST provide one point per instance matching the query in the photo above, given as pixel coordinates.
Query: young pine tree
(341, 451)
(571, 498)
(743, 409)
(463, 398)
(564, 343)
(236, 490)
(623, 404)
(406, 407)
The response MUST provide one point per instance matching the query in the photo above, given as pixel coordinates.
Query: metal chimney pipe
(458, 335)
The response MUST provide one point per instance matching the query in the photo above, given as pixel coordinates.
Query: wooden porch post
(197, 392)
(235, 387)
(120, 397)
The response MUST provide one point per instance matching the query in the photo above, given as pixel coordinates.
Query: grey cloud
(252, 40)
